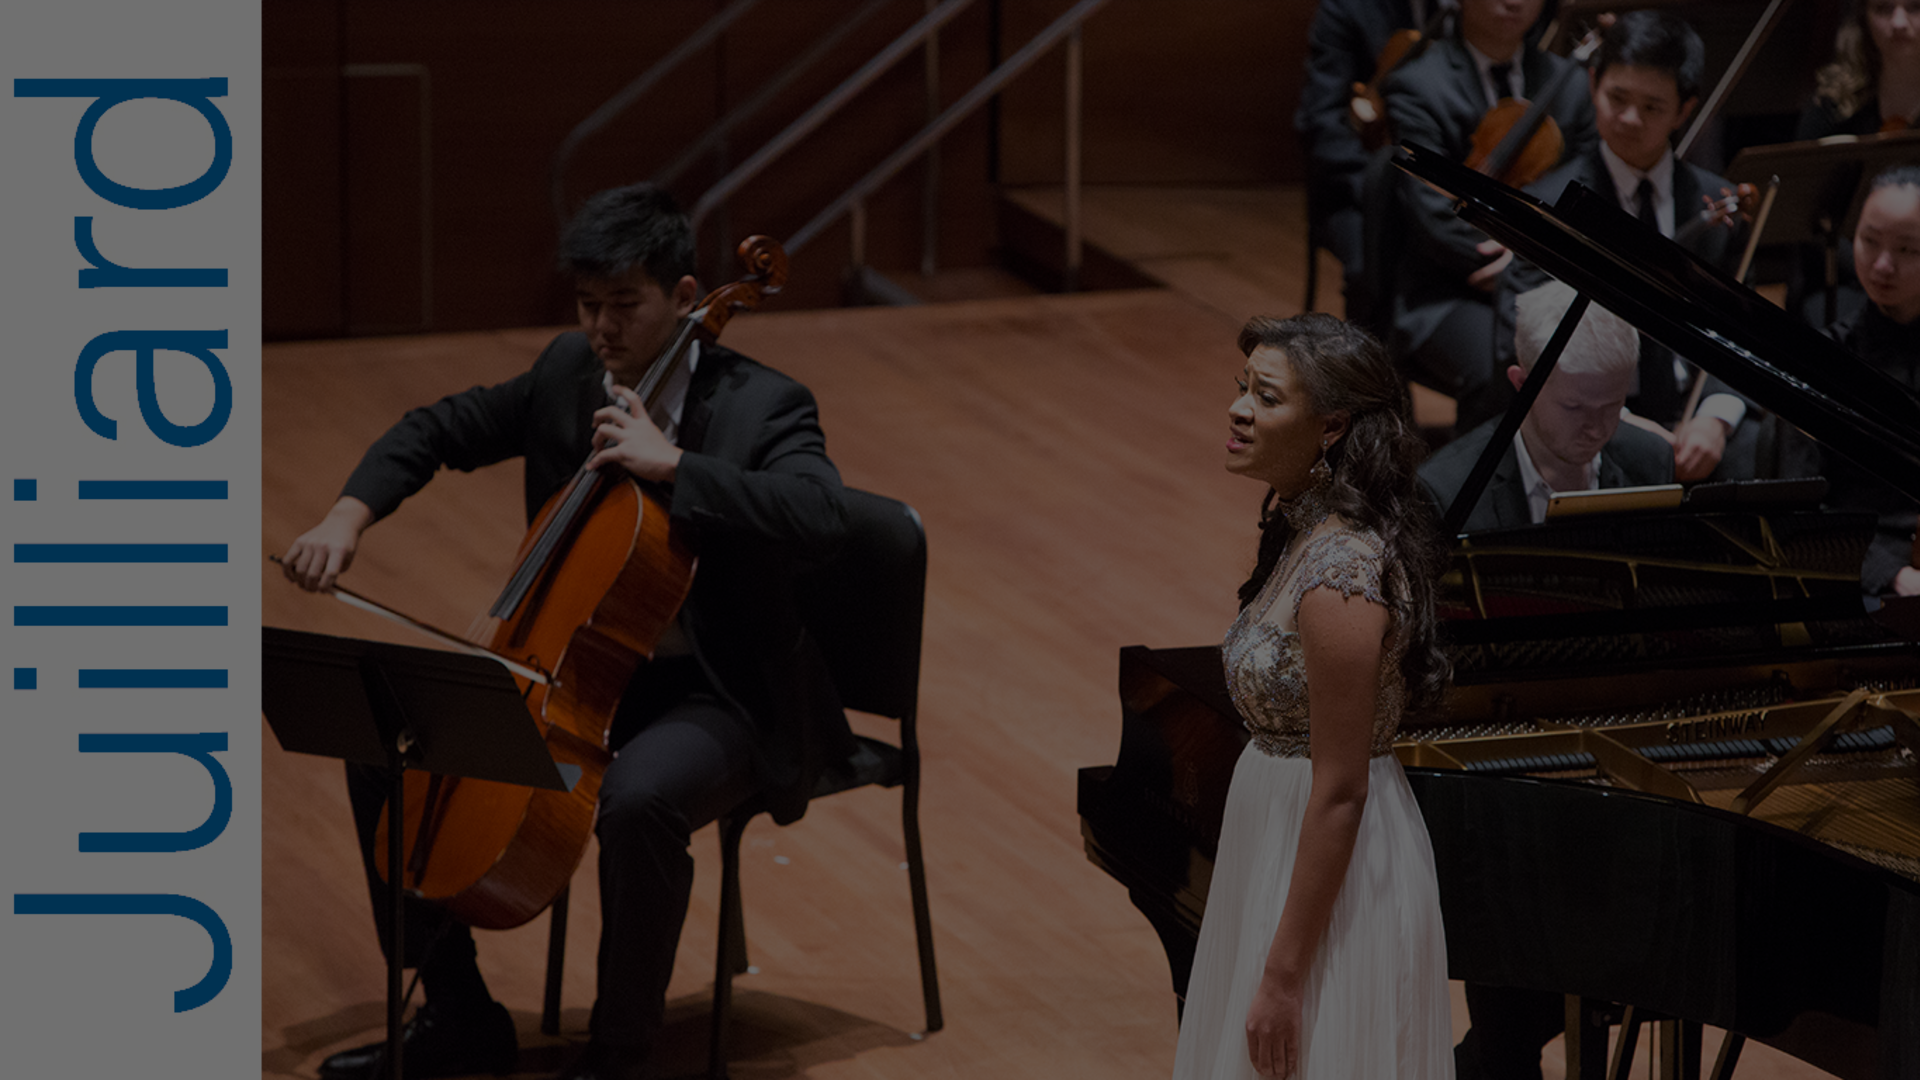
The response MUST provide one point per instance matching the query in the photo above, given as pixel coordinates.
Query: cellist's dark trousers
(684, 759)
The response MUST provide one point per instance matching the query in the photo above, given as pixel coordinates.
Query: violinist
(1645, 84)
(1443, 315)
(1885, 333)
(1344, 43)
(734, 701)
(1873, 83)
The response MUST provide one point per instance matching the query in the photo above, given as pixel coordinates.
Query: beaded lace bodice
(1266, 668)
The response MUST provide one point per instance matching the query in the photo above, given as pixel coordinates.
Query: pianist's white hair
(1603, 344)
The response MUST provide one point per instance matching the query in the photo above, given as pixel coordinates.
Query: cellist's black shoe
(437, 1043)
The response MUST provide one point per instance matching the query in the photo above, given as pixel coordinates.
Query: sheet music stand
(402, 708)
(1822, 184)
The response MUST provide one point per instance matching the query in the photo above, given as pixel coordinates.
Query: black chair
(864, 611)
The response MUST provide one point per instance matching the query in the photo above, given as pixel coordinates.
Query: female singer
(1322, 952)
(1873, 83)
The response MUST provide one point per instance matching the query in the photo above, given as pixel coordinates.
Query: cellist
(1442, 313)
(733, 704)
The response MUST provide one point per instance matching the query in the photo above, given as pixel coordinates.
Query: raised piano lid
(1699, 312)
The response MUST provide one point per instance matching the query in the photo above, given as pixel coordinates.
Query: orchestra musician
(1873, 83)
(1344, 44)
(1645, 85)
(1572, 439)
(1885, 333)
(735, 702)
(1442, 314)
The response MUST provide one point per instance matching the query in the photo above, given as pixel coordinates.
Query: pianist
(1885, 332)
(1572, 439)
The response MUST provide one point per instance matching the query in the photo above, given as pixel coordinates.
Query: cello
(598, 578)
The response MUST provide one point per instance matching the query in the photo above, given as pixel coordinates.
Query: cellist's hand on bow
(629, 439)
(320, 555)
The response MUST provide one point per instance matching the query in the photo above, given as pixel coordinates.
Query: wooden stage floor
(1065, 453)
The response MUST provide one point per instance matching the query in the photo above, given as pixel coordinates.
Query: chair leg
(556, 963)
(731, 957)
(1623, 1049)
(917, 877)
(1729, 1056)
(1313, 273)
(735, 935)
(1586, 1039)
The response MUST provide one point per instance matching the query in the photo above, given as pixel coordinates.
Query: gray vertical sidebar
(135, 952)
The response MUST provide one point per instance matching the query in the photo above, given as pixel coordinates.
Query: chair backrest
(864, 609)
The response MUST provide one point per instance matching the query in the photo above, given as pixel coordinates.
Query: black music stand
(401, 708)
(1822, 184)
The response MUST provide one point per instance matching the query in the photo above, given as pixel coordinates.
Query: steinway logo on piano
(1727, 726)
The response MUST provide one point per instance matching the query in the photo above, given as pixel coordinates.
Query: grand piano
(1678, 768)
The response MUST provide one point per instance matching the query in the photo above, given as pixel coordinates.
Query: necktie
(1660, 386)
(1645, 195)
(1502, 75)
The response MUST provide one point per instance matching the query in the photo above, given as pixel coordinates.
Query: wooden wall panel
(1192, 92)
(301, 265)
(1198, 92)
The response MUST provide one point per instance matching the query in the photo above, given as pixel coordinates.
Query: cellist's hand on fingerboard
(624, 435)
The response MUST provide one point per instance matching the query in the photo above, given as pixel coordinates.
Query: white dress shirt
(1539, 493)
(1516, 79)
(1626, 184)
(666, 411)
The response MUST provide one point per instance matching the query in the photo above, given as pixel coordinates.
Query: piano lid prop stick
(353, 599)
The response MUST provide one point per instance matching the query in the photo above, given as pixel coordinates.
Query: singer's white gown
(1376, 1000)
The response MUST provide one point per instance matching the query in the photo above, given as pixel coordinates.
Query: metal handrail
(765, 95)
(632, 92)
(826, 107)
(1068, 23)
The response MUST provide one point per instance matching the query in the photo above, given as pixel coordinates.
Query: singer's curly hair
(1375, 486)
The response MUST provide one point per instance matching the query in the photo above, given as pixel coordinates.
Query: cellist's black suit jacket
(755, 493)
(1437, 101)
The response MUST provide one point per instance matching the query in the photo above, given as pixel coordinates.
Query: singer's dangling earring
(1322, 472)
(1311, 507)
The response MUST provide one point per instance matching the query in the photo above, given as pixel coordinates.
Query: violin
(601, 574)
(1516, 141)
(1367, 112)
(1737, 206)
